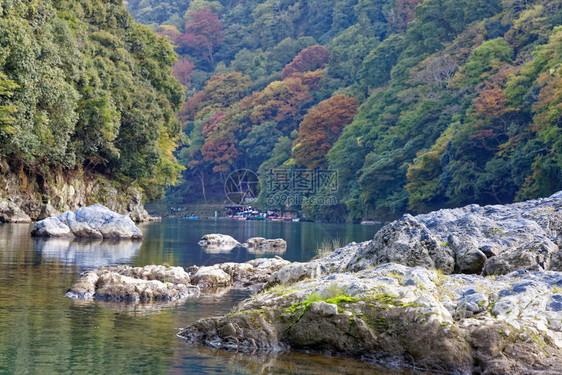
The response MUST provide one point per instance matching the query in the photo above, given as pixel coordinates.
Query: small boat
(255, 218)
(296, 219)
(192, 217)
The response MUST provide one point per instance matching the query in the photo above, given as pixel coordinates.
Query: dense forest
(84, 88)
(417, 104)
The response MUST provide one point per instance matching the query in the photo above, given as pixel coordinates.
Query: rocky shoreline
(466, 290)
(27, 198)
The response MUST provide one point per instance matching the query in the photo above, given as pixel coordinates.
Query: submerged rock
(405, 316)
(94, 221)
(491, 240)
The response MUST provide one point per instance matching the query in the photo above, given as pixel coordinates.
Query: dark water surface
(43, 332)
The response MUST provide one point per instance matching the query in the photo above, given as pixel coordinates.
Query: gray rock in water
(134, 284)
(11, 213)
(51, 227)
(143, 284)
(211, 276)
(217, 243)
(94, 221)
(495, 239)
(260, 242)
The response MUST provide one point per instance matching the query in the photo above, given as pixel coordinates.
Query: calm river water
(43, 332)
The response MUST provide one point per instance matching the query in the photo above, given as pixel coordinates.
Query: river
(41, 331)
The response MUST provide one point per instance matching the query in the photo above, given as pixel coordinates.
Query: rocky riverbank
(467, 290)
(404, 316)
(26, 197)
(477, 290)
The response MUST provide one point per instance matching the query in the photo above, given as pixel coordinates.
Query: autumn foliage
(309, 59)
(183, 71)
(321, 128)
(203, 33)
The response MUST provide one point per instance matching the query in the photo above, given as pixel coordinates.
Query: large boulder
(406, 241)
(495, 239)
(404, 317)
(51, 227)
(94, 221)
(11, 213)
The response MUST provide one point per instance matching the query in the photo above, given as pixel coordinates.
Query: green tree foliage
(83, 86)
(6, 111)
(459, 99)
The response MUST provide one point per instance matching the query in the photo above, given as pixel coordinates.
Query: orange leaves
(282, 101)
(321, 128)
(490, 102)
(548, 109)
(212, 125)
(309, 59)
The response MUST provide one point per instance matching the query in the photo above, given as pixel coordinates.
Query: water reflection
(208, 296)
(218, 249)
(43, 332)
(260, 251)
(263, 251)
(87, 253)
(292, 363)
(175, 241)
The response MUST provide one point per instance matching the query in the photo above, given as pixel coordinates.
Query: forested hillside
(417, 104)
(85, 90)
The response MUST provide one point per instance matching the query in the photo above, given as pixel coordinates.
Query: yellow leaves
(548, 108)
(169, 170)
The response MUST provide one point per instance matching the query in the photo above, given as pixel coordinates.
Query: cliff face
(27, 196)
